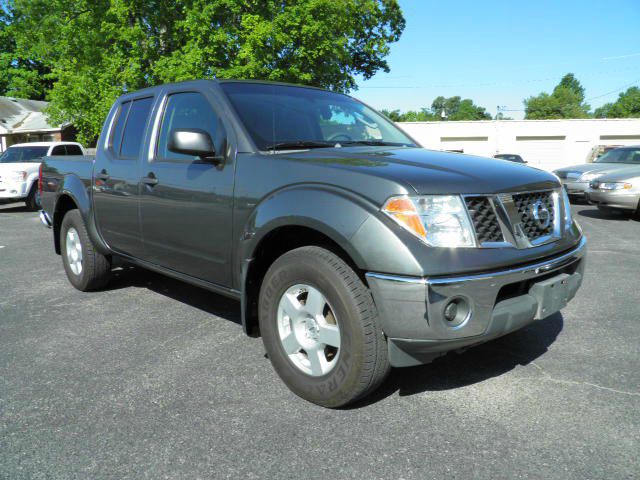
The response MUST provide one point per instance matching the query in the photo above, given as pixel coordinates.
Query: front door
(186, 204)
(116, 178)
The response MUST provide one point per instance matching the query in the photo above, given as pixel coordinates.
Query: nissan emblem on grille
(541, 214)
(523, 219)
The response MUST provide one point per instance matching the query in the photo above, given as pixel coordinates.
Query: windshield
(23, 154)
(279, 117)
(621, 155)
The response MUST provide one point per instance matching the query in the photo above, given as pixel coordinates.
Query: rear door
(117, 175)
(186, 205)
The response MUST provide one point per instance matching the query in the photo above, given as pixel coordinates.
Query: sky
(500, 52)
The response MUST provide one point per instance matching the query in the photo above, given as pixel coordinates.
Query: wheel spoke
(290, 344)
(329, 335)
(317, 361)
(315, 302)
(291, 305)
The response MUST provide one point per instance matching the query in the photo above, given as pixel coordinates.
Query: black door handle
(103, 175)
(150, 179)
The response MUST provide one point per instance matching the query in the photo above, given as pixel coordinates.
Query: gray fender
(355, 224)
(75, 189)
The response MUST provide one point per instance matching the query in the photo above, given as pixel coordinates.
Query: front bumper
(414, 310)
(614, 199)
(575, 188)
(13, 190)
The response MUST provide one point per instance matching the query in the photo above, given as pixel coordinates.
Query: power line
(619, 89)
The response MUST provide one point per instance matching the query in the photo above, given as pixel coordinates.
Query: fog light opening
(456, 312)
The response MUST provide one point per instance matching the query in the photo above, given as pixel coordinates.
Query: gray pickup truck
(351, 249)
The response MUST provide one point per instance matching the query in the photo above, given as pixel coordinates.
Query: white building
(545, 144)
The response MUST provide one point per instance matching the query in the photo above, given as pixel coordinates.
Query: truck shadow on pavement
(125, 276)
(474, 365)
(12, 208)
(451, 371)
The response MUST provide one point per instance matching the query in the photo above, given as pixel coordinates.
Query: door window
(187, 110)
(133, 135)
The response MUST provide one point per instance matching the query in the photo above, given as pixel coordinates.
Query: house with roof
(24, 121)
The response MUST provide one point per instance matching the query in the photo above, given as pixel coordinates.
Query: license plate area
(551, 294)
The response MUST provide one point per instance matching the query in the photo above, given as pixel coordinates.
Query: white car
(20, 165)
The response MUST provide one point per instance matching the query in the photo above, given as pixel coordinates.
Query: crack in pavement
(547, 376)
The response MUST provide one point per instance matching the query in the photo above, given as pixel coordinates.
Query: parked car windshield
(621, 155)
(23, 154)
(280, 117)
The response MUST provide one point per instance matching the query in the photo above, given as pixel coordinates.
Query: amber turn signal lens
(403, 211)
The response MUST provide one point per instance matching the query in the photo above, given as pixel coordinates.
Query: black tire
(96, 268)
(362, 363)
(33, 204)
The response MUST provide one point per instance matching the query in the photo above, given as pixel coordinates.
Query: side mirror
(193, 141)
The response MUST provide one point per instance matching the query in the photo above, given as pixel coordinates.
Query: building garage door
(541, 151)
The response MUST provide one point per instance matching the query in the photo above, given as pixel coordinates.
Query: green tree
(566, 101)
(626, 106)
(19, 76)
(393, 115)
(98, 49)
(455, 108)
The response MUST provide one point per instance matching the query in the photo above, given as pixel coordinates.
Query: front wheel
(86, 268)
(320, 328)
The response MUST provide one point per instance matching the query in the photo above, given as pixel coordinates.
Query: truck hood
(575, 171)
(429, 171)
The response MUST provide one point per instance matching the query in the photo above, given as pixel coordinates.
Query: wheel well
(63, 205)
(274, 245)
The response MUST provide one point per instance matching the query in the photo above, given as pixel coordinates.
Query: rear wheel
(86, 268)
(320, 328)
(33, 199)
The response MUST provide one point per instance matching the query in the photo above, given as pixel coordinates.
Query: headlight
(437, 220)
(615, 186)
(19, 176)
(587, 177)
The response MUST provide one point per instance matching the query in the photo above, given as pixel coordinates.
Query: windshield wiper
(300, 144)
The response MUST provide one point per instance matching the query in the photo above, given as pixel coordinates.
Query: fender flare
(372, 242)
(79, 193)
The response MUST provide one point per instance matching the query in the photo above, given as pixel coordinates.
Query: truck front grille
(540, 224)
(484, 219)
(528, 219)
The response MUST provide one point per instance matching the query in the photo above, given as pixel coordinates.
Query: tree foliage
(20, 76)
(626, 106)
(98, 49)
(453, 108)
(566, 101)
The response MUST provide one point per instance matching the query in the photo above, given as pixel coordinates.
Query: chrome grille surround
(513, 216)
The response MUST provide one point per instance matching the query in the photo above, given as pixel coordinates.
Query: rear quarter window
(116, 132)
(73, 150)
(135, 126)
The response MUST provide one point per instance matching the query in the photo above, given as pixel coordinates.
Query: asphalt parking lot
(154, 379)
